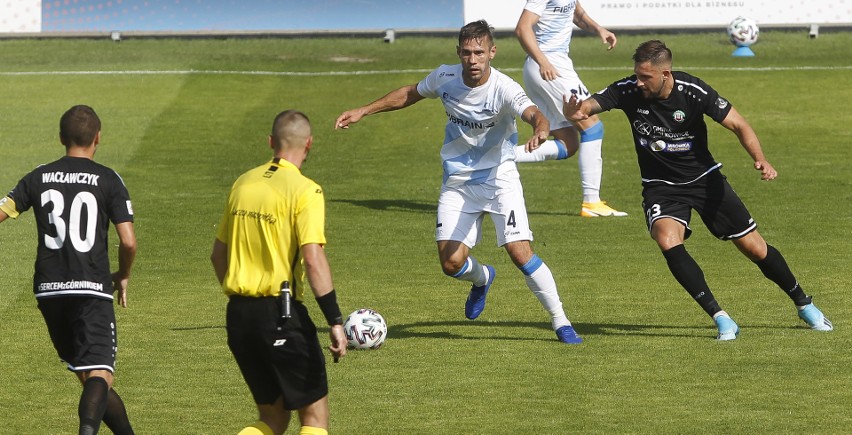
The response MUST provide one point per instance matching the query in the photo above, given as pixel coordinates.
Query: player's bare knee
(451, 266)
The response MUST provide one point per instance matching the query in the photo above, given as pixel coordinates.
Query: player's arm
(526, 36)
(3, 215)
(749, 141)
(319, 277)
(576, 110)
(585, 22)
(126, 256)
(540, 125)
(219, 258)
(394, 100)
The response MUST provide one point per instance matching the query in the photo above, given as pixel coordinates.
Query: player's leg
(115, 416)
(774, 267)
(728, 218)
(670, 235)
(544, 94)
(314, 418)
(590, 164)
(249, 323)
(93, 399)
(457, 230)
(512, 227)
(273, 419)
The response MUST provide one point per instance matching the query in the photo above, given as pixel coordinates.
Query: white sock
(590, 162)
(540, 280)
(473, 271)
(549, 150)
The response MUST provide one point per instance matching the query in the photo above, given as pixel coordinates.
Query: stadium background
(33, 16)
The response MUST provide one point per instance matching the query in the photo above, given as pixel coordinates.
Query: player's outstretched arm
(394, 100)
(585, 22)
(126, 255)
(576, 110)
(319, 277)
(540, 125)
(749, 141)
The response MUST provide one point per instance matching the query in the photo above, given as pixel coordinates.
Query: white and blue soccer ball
(743, 31)
(365, 329)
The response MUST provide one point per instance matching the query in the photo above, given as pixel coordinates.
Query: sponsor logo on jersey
(642, 127)
(721, 103)
(279, 342)
(465, 123)
(447, 97)
(70, 285)
(643, 111)
(129, 208)
(679, 116)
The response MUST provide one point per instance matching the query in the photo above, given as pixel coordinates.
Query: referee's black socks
(687, 272)
(775, 268)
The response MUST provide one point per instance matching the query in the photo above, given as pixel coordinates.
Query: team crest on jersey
(679, 116)
(722, 103)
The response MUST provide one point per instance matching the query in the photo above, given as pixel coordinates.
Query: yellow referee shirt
(272, 211)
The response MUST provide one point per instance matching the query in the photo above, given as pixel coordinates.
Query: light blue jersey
(481, 133)
(555, 24)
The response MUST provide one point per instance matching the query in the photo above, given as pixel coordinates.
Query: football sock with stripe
(93, 402)
(590, 162)
(259, 428)
(553, 149)
(310, 430)
(540, 280)
(472, 271)
(775, 268)
(687, 272)
(115, 416)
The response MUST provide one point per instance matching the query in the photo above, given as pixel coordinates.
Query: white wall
(634, 14)
(20, 16)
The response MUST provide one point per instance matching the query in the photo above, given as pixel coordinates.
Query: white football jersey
(555, 25)
(481, 134)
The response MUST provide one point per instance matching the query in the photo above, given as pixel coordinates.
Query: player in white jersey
(544, 31)
(480, 176)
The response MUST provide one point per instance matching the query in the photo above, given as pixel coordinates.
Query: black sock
(115, 416)
(687, 272)
(775, 268)
(92, 405)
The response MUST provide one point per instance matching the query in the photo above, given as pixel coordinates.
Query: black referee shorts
(276, 359)
(711, 197)
(82, 330)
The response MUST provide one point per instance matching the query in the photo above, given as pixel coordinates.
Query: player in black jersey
(666, 112)
(74, 199)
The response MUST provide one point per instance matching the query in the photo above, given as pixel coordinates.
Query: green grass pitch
(183, 118)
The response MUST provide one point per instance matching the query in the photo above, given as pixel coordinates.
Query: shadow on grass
(455, 330)
(421, 207)
(391, 205)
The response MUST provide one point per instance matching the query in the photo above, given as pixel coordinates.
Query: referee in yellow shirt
(271, 238)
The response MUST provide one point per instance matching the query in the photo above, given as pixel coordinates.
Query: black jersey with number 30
(74, 199)
(670, 134)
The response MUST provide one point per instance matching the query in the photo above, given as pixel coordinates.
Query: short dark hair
(475, 30)
(653, 51)
(78, 126)
(284, 119)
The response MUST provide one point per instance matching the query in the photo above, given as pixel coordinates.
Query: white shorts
(461, 210)
(547, 95)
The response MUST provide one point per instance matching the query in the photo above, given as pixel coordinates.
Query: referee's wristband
(330, 309)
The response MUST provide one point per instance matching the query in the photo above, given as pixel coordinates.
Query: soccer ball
(365, 329)
(743, 31)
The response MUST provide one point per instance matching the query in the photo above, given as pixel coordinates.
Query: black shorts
(712, 197)
(275, 358)
(82, 330)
